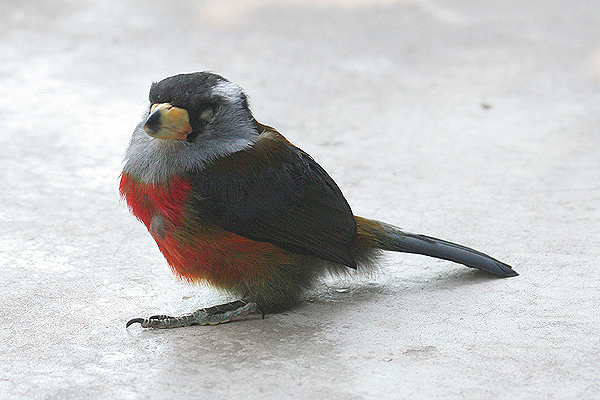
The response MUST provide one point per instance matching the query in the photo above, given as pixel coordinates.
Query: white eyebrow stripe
(229, 90)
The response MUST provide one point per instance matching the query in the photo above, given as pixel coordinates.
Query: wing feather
(276, 193)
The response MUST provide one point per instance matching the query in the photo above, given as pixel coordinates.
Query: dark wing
(276, 193)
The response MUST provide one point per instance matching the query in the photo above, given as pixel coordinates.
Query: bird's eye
(208, 114)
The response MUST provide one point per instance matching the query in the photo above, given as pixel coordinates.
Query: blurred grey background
(473, 121)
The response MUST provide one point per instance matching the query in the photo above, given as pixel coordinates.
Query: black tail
(395, 239)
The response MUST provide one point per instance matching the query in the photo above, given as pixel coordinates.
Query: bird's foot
(205, 316)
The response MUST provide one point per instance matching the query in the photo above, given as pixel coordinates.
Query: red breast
(196, 250)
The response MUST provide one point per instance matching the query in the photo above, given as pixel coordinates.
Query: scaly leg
(205, 316)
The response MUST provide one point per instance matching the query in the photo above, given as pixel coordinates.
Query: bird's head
(200, 106)
(191, 119)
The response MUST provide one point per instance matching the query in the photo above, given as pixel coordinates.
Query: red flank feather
(197, 251)
(147, 199)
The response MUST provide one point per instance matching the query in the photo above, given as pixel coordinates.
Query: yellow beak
(167, 122)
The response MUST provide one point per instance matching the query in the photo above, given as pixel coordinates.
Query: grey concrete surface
(473, 121)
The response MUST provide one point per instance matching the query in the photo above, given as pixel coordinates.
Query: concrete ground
(473, 121)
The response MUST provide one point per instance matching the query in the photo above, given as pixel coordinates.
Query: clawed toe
(150, 322)
(205, 316)
(135, 321)
(160, 317)
(261, 310)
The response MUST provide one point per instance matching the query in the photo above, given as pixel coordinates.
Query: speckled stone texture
(472, 121)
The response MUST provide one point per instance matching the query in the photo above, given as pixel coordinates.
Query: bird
(232, 203)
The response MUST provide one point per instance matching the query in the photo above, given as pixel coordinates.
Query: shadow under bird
(232, 203)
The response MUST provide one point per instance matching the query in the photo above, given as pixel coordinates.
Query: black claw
(146, 322)
(261, 310)
(161, 317)
(133, 321)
